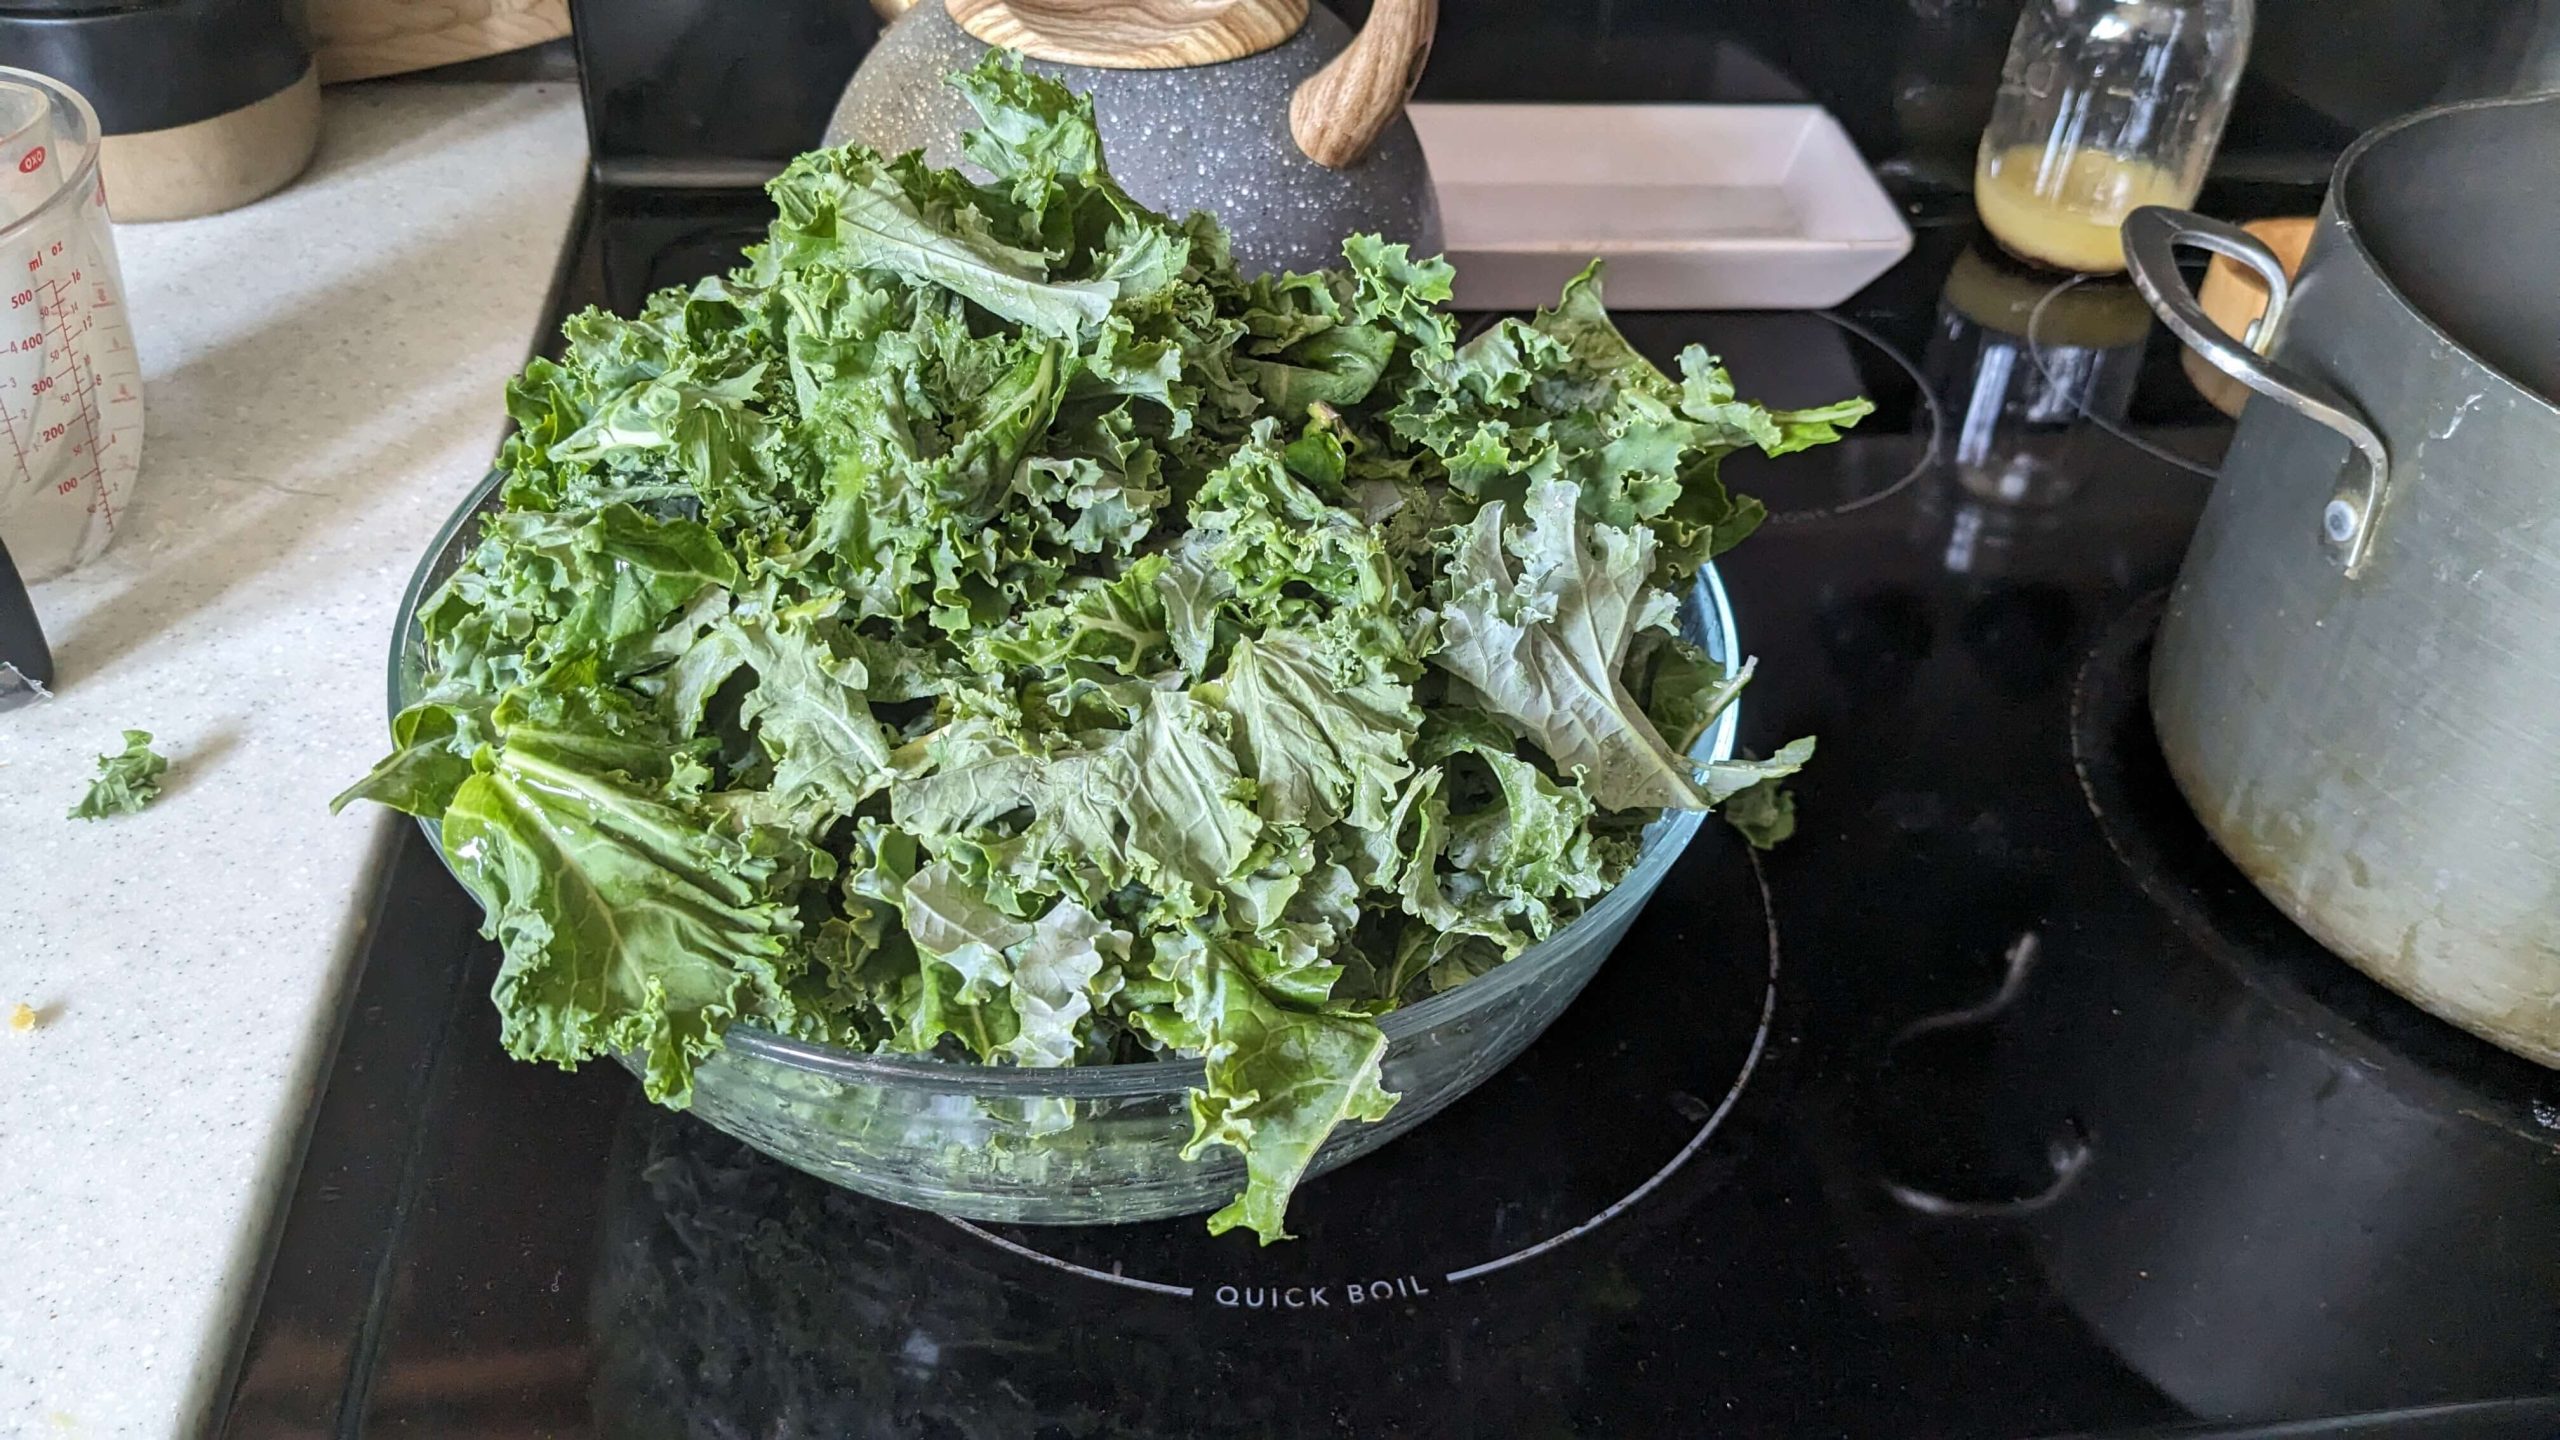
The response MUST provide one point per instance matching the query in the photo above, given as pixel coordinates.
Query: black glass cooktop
(1993, 1104)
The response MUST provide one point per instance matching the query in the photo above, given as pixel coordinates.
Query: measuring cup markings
(66, 307)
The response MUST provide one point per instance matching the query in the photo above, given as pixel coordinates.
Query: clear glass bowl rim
(1663, 846)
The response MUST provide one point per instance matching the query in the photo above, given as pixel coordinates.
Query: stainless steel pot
(2357, 682)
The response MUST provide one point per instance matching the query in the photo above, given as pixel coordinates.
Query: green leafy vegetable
(1280, 1080)
(1765, 814)
(987, 625)
(1546, 648)
(127, 780)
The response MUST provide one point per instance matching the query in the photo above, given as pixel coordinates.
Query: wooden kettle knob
(1131, 34)
(1343, 108)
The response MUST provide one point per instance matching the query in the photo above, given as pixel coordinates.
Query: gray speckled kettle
(1268, 114)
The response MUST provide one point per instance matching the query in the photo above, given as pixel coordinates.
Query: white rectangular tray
(1695, 207)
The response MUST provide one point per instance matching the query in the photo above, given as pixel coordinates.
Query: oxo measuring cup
(70, 385)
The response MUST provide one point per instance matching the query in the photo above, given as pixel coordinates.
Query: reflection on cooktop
(2282, 1147)
(2174, 863)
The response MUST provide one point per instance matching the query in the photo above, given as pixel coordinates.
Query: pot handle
(2151, 236)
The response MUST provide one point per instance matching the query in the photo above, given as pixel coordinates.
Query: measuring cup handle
(26, 664)
(2151, 236)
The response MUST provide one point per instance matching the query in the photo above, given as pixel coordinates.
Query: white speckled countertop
(321, 374)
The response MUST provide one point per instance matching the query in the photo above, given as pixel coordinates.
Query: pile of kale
(986, 625)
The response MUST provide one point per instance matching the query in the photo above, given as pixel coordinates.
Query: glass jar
(2104, 106)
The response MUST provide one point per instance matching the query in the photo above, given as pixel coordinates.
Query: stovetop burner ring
(1931, 406)
(1708, 1125)
(1706, 1130)
(2080, 401)
(1043, 1257)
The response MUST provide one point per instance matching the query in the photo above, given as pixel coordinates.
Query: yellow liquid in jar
(2064, 209)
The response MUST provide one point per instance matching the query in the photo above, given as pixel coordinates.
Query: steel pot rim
(2339, 218)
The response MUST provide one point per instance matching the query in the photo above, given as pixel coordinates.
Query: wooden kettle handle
(1343, 108)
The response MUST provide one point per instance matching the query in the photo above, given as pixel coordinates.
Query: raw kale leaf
(1538, 622)
(629, 925)
(1765, 814)
(1280, 1080)
(127, 780)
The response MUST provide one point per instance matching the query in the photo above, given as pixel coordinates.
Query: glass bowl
(1101, 1144)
